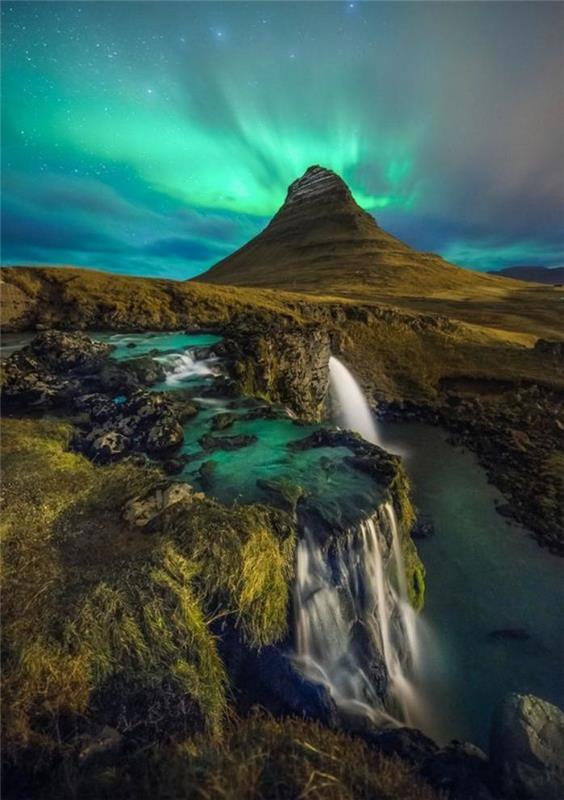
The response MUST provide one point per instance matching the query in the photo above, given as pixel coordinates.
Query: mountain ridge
(547, 275)
(320, 238)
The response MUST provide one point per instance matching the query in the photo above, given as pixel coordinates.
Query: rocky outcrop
(74, 353)
(148, 422)
(527, 748)
(517, 433)
(150, 510)
(281, 365)
(57, 367)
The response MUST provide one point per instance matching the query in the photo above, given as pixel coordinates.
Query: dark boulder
(109, 446)
(164, 435)
(210, 443)
(423, 528)
(69, 352)
(409, 744)
(206, 474)
(222, 421)
(146, 370)
(461, 771)
(527, 748)
(99, 407)
(282, 493)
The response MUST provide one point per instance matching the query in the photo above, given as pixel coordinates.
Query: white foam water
(182, 366)
(352, 409)
(361, 584)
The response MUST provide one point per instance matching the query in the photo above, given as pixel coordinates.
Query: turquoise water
(342, 492)
(482, 575)
(146, 342)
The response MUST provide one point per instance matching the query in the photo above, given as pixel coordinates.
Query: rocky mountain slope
(321, 242)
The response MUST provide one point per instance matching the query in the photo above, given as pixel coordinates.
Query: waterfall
(180, 366)
(355, 629)
(353, 410)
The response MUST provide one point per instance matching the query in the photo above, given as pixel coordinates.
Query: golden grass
(88, 601)
(261, 759)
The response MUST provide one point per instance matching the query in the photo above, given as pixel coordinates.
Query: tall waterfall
(355, 628)
(353, 410)
(356, 632)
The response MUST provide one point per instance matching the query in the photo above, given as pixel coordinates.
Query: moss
(400, 492)
(260, 759)
(91, 605)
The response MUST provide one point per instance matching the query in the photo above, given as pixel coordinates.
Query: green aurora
(155, 138)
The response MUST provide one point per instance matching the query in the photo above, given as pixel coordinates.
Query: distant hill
(551, 275)
(322, 241)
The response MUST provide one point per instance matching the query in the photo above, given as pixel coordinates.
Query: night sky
(154, 138)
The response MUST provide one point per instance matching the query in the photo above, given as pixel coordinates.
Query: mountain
(321, 240)
(550, 275)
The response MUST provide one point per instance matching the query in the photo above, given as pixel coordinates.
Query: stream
(483, 574)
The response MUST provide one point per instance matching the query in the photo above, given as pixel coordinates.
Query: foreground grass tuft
(261, 758)
(107, 622)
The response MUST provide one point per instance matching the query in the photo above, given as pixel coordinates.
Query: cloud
(190, 249)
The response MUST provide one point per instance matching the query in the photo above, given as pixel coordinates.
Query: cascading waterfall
(356, 632)
(353, 411)
(180, 366)
(355, 628)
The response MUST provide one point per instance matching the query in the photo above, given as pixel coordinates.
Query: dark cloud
(190, 249)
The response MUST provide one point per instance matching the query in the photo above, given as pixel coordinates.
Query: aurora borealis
(155, 138)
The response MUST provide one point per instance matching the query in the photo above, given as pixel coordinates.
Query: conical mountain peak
(318, 183)
(320, 236)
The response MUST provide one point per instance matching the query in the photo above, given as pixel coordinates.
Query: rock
(527, 748)
(409, 744)
(222, 421)
(74, 352)
(280, 363)
(165, 435)
(268, 678)
(101, 744)
(206, 474)
(509, 633)
(282, 493)
(423, 528)
(110, 446)
(22, 388)
(210, 443)
(173, 466)
(146, 405)
(145, 370)
(264, 412)
(461, 770)
(99, 407)
(143, 511)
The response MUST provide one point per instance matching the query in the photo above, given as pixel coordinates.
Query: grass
(107, 625)
(97, 615)
(260, 759)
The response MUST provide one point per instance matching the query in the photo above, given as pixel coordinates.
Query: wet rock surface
(280, 364)
(210, 443)
(527, 748)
